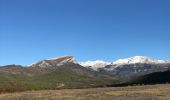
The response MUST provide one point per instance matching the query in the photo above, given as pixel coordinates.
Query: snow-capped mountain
(137, 59)
(95, 65)
(136, 66)
(129, 67)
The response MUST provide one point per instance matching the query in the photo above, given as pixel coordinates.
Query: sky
(32, 30)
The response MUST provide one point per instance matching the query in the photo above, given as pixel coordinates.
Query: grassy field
(149, 92)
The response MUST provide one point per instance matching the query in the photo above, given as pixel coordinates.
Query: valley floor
(148, 92)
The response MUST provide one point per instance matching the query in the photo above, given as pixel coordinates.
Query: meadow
(143, 92)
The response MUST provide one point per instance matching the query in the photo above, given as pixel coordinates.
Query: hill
(153, 78)
(51, 76)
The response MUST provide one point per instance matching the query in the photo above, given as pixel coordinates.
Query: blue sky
(32, 30)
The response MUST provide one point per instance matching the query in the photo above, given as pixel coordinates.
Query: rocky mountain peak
(66, 59)
(55, 62)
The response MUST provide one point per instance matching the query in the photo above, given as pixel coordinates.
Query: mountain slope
(153, 78)
(54, 76)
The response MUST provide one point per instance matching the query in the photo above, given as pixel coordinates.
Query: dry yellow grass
(149, 92)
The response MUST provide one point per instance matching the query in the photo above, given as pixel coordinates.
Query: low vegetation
(145, 92)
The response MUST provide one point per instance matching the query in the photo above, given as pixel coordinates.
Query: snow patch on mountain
(95, 64)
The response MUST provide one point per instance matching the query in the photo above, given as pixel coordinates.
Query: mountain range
(129, 67)
(66, 72)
